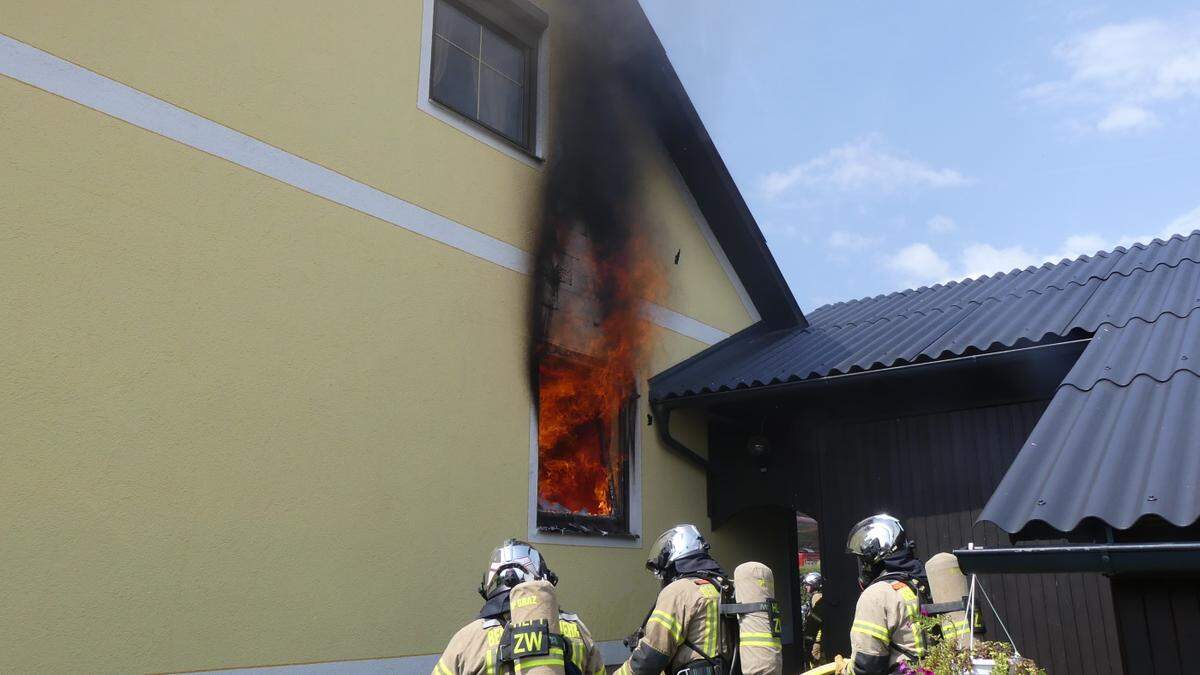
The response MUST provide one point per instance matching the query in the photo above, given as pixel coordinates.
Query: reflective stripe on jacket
(472, 650)
(686, 609)
(885, 628)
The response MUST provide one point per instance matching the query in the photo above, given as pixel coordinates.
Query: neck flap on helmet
(496, 606)
(693, 566)
(903, 564)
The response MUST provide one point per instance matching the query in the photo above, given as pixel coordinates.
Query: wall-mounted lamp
(759, 449)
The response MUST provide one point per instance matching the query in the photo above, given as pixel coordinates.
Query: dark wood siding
(1159, 624)
(935, 472)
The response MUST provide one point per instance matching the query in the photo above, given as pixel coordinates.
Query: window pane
(502, 105)
(454, 76)
(457, 28)
(504, 56)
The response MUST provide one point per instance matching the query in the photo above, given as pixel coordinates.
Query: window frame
(521, 24)
(632, 536)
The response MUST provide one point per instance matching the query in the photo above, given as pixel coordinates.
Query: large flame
(580, 397)
(593, 267)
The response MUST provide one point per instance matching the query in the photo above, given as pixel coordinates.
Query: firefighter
(885, 629)
(474, 648)
(683, 634)
(813, 581)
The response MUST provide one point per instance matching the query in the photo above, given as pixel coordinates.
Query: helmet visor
(678, 542)
(874, 538)
(513, 563)
(660, 552)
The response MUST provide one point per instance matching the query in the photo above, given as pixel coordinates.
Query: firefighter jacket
(686, 610)
(813, 625)
(473, 649)
(885, 628)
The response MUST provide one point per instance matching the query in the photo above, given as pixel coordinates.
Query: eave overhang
(1173, 557)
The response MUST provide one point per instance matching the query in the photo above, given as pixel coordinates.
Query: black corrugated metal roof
(1121, 437)
(1069, 299)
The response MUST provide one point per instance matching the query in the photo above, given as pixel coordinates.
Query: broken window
(585, 448)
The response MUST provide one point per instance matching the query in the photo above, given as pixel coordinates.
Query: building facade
(265, 273)
(1038, 423)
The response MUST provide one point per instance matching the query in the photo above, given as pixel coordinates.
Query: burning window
(597, 263)
(585, 447)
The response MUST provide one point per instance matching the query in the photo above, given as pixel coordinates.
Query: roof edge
(708, 179)
(1103, 558)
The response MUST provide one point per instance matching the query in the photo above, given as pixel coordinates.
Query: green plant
(946, 658)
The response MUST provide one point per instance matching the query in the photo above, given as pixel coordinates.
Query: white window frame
(631, 540)
(532, 17)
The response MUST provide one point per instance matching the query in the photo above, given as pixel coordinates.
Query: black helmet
(514, 562)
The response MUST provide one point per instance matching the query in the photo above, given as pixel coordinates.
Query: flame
(580, 398)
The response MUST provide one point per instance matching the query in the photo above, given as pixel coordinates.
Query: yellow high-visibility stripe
(554, 659)
(523, 664)
(667, 621)
(872, 630)
(711, 626)
(914, 611)
(761, 643)
(758, 635)
(913, 605)
(577, 653)
(490, 662)
(667, 617)
(441, 669)
(952, 629)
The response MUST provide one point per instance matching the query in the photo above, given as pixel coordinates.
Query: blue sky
(889, 145)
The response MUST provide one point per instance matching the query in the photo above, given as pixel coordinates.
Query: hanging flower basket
(986, 658)
(982, 666)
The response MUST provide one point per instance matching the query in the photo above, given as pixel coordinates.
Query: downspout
(662, 415)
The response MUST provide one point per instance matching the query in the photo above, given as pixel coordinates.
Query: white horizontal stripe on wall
(45, 71)
(684, 324)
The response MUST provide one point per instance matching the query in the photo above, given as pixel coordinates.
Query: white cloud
(980, 259)
(940, 224)
(1125, 68)
(1083, 244)
(861, 166)
(919, 264)
(1186, 223)
(852, 240)
(1127, 118)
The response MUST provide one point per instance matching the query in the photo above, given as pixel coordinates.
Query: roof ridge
(1012, 294)
(1119, 250)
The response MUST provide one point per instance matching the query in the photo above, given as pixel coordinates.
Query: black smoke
(597, 129)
